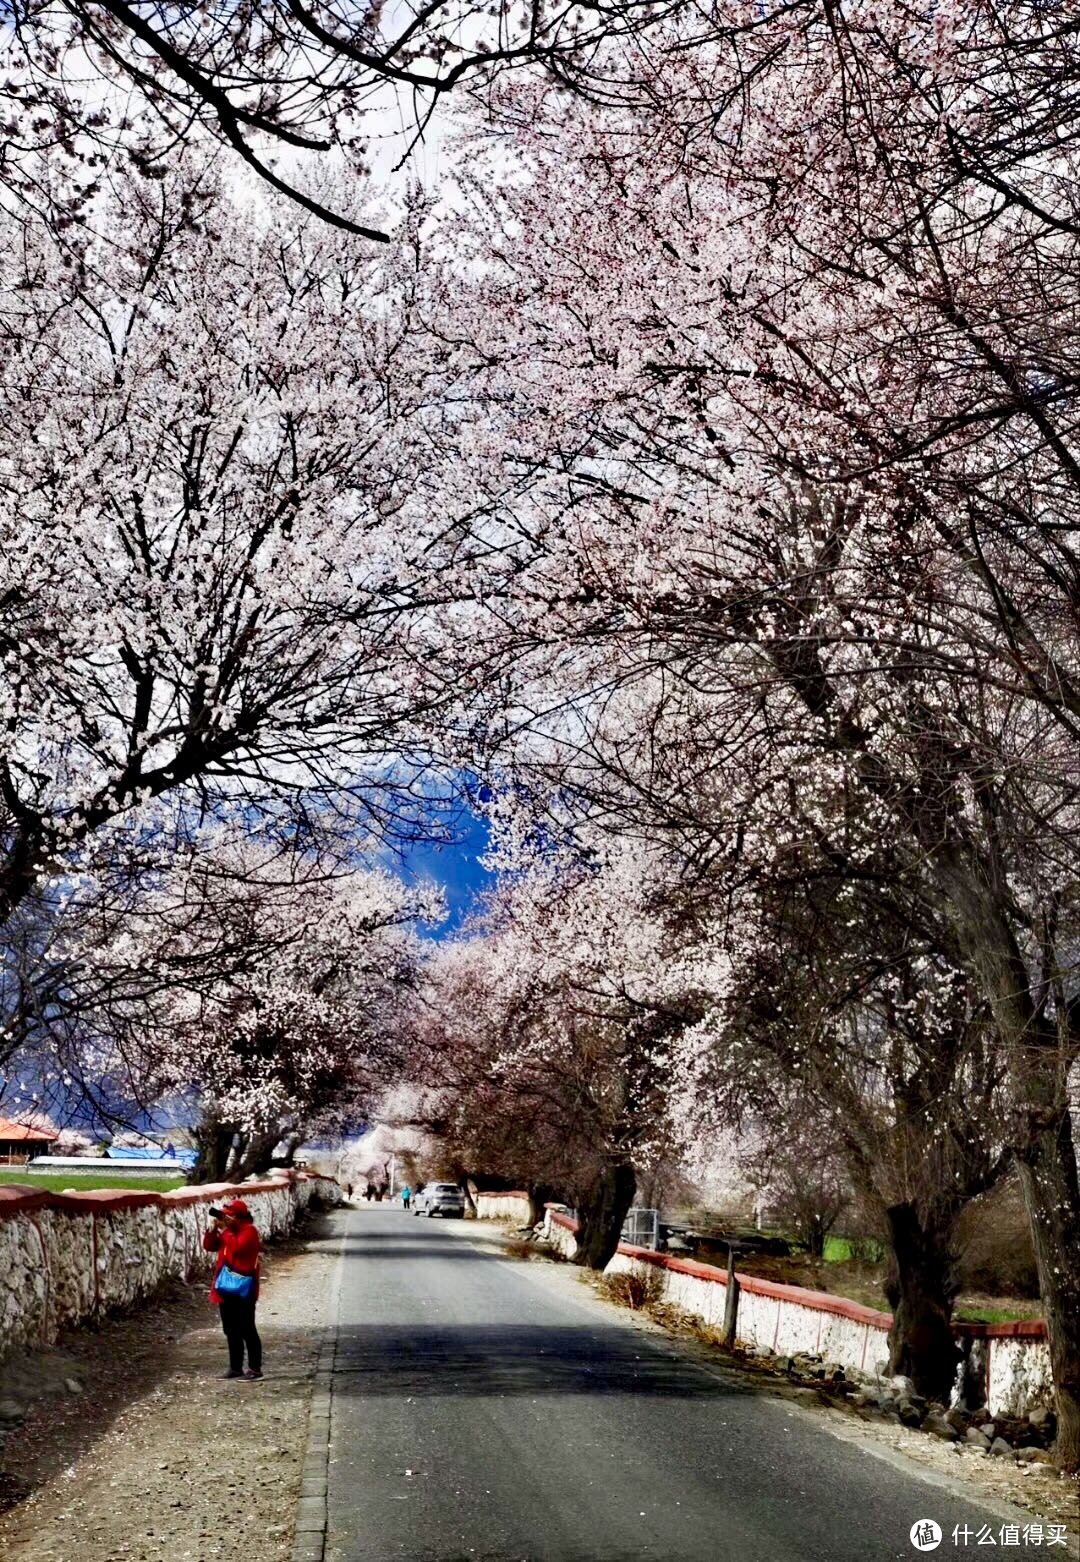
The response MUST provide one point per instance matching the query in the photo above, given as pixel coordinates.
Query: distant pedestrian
(233, 1236)
(348, 1190)
(406, 1195)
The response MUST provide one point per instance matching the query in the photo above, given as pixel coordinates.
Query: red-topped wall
(65, 1257)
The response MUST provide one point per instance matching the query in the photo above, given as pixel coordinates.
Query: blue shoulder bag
(229, 1283)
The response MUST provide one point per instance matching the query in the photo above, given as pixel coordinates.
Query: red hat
(237, 1208)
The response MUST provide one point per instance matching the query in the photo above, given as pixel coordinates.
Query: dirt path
(158, 1457)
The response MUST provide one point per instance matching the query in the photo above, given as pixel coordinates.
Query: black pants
(238, 1321)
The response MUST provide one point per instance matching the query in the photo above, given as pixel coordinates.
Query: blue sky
(455, 867)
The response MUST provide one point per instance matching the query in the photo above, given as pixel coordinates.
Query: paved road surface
(482, 1411)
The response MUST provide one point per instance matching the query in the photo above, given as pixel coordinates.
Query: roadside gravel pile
(1027, 1439)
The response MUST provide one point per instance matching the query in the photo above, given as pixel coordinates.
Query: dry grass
(641, 1290)
(520, 1248)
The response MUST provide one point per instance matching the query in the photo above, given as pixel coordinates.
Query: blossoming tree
(550, 1039)
(784, 377)
(224, 586)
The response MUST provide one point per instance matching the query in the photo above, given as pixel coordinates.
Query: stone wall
(502, 1206)
(1012, 1359)
(67, 1257)
(1017, 1368)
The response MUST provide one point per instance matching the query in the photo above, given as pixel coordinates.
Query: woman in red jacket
(235, 1239)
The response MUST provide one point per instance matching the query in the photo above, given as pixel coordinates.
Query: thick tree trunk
(470, 1203)
(920, 1289)
(214, 1143)
(1046, 1154)
(1048, 1175)
(815, 1238)
(256, 1156)
(971, 884)
(538, 1196)
(292, 1144)
(601, 1213)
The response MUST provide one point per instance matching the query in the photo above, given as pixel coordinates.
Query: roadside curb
(309, 1542)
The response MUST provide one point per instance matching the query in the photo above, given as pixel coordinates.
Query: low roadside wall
(1018, 1374)
(1013, 1359)
(68, 1257)
(503, 1206)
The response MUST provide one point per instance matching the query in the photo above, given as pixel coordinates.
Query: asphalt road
(483, 1411)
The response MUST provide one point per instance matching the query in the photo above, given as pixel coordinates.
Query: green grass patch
(61, 1182)
(1006, 1314)
(843, 1250)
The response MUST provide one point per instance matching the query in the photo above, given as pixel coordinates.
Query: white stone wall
(694, 1296)
(1019, 1375)
(770, 1322)
(1018, 1370)
(68, 1257)
(502, 1206)
(562, 1237)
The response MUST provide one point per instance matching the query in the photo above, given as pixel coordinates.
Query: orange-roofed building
(19, 1142)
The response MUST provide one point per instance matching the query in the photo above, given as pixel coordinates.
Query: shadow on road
(418, 1248)
(433, 1361)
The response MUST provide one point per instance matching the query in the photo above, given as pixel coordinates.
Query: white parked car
(439, 1198)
